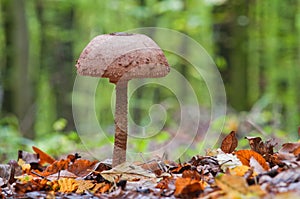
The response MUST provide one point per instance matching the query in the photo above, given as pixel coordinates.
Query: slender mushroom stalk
(119, 154)
(122, 57)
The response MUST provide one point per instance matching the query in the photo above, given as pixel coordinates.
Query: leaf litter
(258, 172)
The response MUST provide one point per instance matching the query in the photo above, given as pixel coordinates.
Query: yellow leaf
(241, 170)
(84, 185)
(237, 187)
(67, 185)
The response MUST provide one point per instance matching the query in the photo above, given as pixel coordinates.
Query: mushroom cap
(122, 55)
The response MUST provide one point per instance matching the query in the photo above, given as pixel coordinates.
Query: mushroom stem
(119, 153)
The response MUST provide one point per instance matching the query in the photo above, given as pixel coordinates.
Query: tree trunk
(18, 89)
(119, 154)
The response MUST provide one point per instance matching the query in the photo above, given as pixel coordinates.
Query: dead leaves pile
(258, 172)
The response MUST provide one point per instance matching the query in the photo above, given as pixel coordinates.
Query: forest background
(255, 45)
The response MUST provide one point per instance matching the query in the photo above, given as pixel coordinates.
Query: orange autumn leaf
(44, 157)
(245, 156)
(164, 183)
(101, 187)
(187, 186)
(229, 143)
(56, 167)
(193, 174)
(296, 152)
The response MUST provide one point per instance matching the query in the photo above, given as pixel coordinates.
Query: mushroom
(121, 57)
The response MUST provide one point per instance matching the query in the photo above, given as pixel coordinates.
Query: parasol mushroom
(121, 57)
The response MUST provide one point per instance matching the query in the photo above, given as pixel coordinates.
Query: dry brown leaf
(126, 171)
(29, 158)
(263, 148)
(229, 143)
(193, 174)
(245, 156)
(5, 174)
(237, 187)
(289, 147)
(43, 157)
(188, 187)
(81, 167)
(62, 174)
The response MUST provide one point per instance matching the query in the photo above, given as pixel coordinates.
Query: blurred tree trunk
(56, 60)
(237, 93)
(18, 88)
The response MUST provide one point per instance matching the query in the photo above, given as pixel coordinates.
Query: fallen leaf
(25, 166)
(193, 174)
(289, 147)
(84, 185)
(237, 187)
(126, 171)
(81, 167)
(43, 157)
(101, 187)
(229, 143)
(56, 167)
(296, 152)
(187, 187)
(263, 148)
(240, 170)
(245, 156)
(257, 167)
(163, 184)
(67, 185)
(5, 174)
(61, 174)
(228, 161)
(29, 158)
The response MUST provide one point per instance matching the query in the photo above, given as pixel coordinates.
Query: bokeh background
(255, 45)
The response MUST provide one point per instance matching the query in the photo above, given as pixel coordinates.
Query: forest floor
(257, 172)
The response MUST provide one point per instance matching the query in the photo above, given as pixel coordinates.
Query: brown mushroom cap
(122, 55)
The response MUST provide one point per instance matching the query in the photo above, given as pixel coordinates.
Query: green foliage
(11, 139)
(59, 142)
(46, 111)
